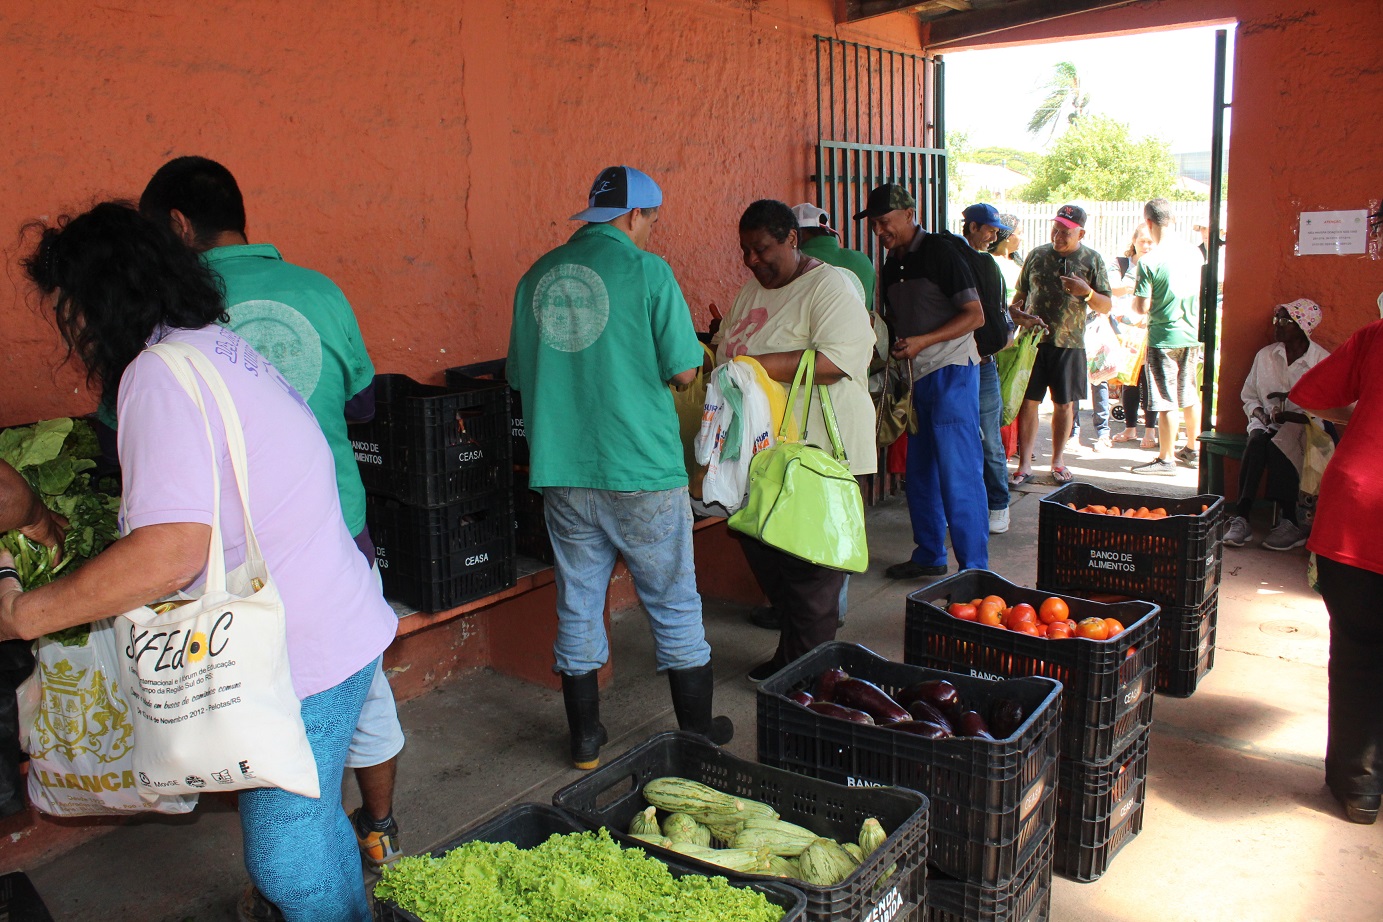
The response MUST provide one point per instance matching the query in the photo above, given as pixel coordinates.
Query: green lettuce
(577, 877)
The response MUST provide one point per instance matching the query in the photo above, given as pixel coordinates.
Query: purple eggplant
(870, 698)
(971, 723)
(1005, 717)
(939, 693)
(802, 697)
(826, 683)
(840, 711)
(923, 728)
(923, 710)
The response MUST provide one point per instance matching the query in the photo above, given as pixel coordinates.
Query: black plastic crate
(1107, 685)
(485, 372)
(449, 581)
(1171, 561)
(19, 901)
(429, 446)
(530, 524)
(1099, 809)
(888, 885)
(530, 825)
(988, 799)
(421, 538)
(1026, 897)
(1186, 647)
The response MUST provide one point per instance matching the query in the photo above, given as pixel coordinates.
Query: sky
(990, 95)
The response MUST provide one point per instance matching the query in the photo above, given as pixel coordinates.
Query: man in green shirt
(1168, 291)
(817, 238)
(600, 330)
(300, 321)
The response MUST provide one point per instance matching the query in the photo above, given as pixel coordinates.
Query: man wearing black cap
(933, 307)
(600, 329)
(1060, 281)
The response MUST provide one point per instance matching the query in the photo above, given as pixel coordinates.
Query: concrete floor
(1238, 823)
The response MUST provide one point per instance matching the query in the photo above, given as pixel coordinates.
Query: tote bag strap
(806, 373)
(182, 359)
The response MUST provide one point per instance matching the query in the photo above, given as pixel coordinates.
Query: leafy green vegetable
(56, 457)
(578, 877)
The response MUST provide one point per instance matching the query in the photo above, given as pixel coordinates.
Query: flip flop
(1061, 476)
(1128, 435)
(1017, 479)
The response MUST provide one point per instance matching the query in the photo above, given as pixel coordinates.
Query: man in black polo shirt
(933, 308)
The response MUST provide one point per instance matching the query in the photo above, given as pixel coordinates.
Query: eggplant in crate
(886, 887)
(530, 825)
(991, 799)
(1107, 685)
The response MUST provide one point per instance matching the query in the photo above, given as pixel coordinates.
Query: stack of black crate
(530, 526)
(1172, 562)
(437, 467)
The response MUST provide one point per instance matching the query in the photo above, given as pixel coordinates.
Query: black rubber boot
(692, 691)
(581, 693)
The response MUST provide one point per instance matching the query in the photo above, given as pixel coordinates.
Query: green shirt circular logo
(571, 306)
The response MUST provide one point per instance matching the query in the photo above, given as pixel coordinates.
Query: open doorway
(1107, 123)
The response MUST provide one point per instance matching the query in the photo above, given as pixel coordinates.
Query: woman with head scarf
(1277, 427)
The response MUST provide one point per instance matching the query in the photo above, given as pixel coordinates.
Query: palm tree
(1062, 89)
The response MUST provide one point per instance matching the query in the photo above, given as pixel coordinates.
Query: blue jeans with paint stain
(991, 413)
(945, 473)
(652, 530)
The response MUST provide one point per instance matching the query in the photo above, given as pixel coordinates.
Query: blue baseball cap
(985, 214)
(619, 190)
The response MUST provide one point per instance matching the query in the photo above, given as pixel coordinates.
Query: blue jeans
(652, 530)
(945, 477)
(300, 851)
(991, 412)
(1099, 395)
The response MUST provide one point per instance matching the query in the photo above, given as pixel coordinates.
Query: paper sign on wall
(1332, 233)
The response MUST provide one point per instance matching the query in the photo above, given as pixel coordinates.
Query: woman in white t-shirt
(795, 302)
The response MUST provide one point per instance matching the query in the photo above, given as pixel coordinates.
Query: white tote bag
(207, 677)
(74, 722)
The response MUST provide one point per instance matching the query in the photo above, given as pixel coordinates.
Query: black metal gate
(878, 118)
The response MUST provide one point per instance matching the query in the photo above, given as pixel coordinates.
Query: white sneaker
(1284, 537)
(998, 521)
(1239, 532)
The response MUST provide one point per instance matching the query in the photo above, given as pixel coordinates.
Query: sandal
(1149, 442)
(1128, 435)
(1018, 479)
(1061, 476)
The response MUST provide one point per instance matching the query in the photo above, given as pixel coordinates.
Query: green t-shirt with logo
(599, 328)
(1039, 282)
(302, 323)
(1170, 278)
(828, 249)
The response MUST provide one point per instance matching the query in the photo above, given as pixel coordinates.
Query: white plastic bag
(736, 408)
(211, 694)
(1104, 354)
(76, 727)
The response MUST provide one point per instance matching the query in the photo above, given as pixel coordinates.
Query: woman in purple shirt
(117, 282)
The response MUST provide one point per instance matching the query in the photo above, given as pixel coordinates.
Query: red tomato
(997, 600)
(1059, 630)
(1092, 629)
(1020, 613)
(1114, 627)
(1053, 609)
(989, 615)
(962, 611)
(1025, 627)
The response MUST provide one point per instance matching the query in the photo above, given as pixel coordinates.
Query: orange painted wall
(1307, 80)
(421, 154)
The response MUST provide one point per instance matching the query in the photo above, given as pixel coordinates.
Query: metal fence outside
(1108, 227)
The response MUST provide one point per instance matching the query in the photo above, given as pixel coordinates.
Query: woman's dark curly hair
(769, 215)
(113, 277)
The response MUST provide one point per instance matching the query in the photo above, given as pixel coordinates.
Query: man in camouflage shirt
(1059, 283)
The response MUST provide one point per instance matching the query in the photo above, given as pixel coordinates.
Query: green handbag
(803, 501)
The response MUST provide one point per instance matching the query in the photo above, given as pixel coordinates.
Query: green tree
(1097, 159)
(1020, 161)
(1063, 90)
(957, 149)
